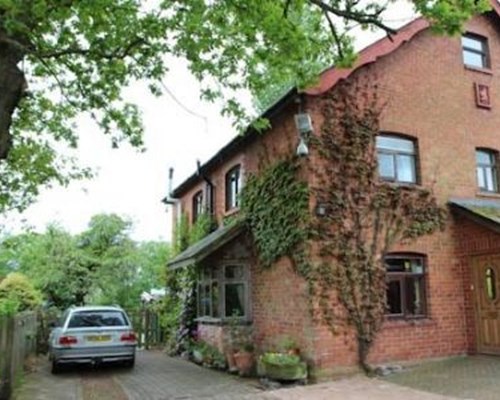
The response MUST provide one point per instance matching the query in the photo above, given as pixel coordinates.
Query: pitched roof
(485, 212)
(206, 246)
(380, 48)
(329, 78)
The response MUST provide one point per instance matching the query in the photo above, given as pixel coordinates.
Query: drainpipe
(210, 204)
(169, 200)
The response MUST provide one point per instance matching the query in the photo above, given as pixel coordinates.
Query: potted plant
(282, 366)
(244, 359)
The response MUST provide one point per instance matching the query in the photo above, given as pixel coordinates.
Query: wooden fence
(146, 323)
(17, 342)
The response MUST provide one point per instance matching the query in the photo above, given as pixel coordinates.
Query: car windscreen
(92, 319)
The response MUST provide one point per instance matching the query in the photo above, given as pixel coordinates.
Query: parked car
(92, 334)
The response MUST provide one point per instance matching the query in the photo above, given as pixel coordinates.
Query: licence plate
(98, 338)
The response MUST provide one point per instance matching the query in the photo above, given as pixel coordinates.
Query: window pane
(386, 167)
(474, 59)
(235, 299)
(396, 264)
(491, 290)
(406, 168)
(215, 300)
(91, 319)
(480, 178)
(414, 296)
(234, 272)
(490, 179)
(203, 300)
(394, 305)
(484, 157)
(395, 144)
(472, 43)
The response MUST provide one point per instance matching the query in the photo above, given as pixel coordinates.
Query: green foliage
(79, 56)
(281, 359)
(275, 204)
(17, 293)
(208, 355)
(202, 227)
(71, 270)
(364, 216)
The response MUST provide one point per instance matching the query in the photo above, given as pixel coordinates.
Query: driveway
(474, 377)
(158, 377)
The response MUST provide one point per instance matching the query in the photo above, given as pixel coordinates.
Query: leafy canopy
(100, 265)
(59, 58)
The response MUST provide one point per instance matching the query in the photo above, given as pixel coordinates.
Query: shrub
(18, 294)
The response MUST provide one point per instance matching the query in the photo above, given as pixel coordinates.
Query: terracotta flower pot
(244, 362)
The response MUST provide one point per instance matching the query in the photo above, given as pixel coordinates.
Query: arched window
(405, 274)
(396, 157)
(197, 205)
(233, 186)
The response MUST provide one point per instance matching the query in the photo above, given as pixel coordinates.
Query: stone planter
(280, 372)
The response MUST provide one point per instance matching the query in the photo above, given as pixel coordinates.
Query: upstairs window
(396, 159)
(475, 51)
(486, 170)
(233, 188)
(197, 205)
(405, 285)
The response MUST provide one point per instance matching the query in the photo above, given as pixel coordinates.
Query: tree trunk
(12, 86)
(363, 350)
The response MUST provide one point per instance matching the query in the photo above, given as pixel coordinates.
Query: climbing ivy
(179, 306)
(363, 215)
(275, 204)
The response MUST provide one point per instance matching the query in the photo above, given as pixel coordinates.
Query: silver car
(92, 334)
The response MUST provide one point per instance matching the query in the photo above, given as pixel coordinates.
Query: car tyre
(130, 363)
(56, 368)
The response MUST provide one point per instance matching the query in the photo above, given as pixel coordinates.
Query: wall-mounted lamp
(304, 128)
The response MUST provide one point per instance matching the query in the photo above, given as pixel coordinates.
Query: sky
(178, 132)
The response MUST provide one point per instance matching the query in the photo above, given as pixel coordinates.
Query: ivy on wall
(364, 216)
(275, 204)
(179, 306)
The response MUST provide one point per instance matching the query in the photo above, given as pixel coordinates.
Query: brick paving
(158, 377)
(476, 377)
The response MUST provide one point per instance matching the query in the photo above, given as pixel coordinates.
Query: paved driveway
(475, 377)
(158, 377)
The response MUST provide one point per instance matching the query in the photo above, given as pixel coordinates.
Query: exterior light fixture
(304, 127)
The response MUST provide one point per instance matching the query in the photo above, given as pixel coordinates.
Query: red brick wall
(281, 308)
(429, 96)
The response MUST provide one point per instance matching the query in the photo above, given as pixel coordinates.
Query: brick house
(443, 131)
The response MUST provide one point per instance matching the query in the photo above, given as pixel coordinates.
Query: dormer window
(475, 51)
(197, 205)
(396, 159)
(233, 186)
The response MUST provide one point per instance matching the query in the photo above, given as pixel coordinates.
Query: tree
(364, 216)
(100, 265)
(53, 262)
(59, 58)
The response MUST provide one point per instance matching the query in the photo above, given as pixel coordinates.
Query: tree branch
(372, 19)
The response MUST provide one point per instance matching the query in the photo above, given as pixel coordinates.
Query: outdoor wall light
(304, 128)
(320, 209)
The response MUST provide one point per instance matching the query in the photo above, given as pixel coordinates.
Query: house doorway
(486, 270)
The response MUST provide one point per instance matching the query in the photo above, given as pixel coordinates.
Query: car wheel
(130, 363)
(56, 368)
